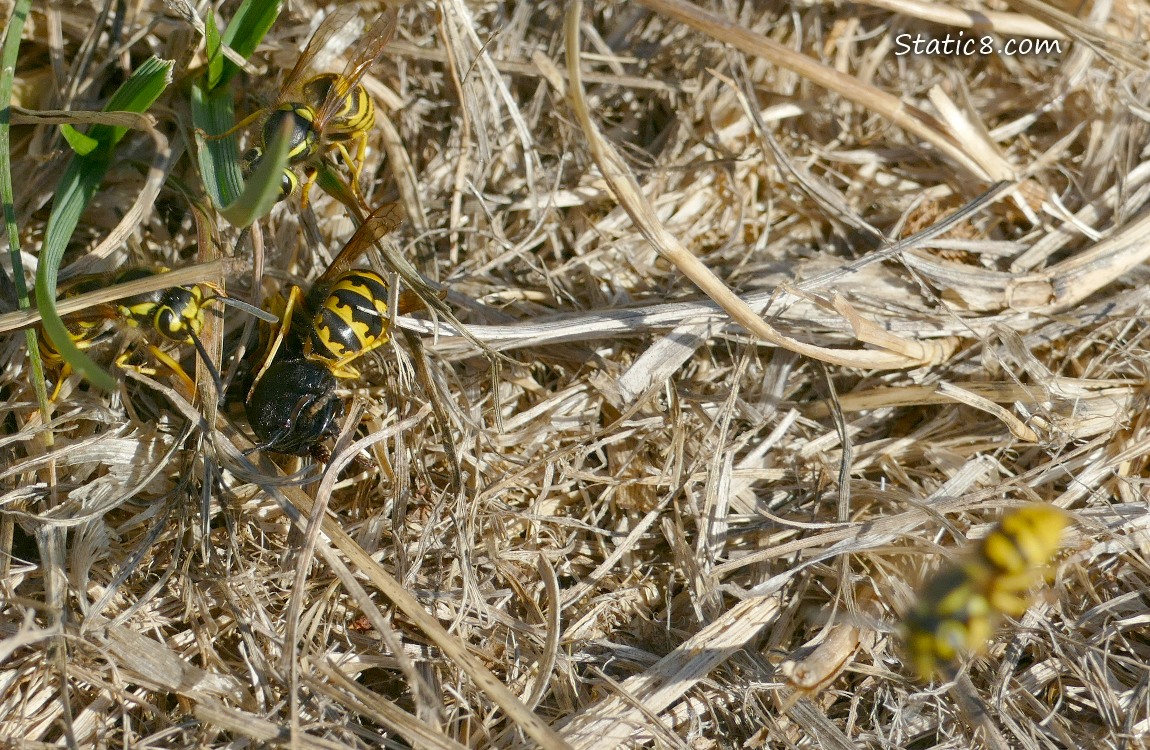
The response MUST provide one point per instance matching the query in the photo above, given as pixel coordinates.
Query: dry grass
(658, 511)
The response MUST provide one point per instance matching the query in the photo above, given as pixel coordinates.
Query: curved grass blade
(262, 190)
(219, 160)
(81, 179)
(246, 30)
(8, 57)
(214, 49)
(80, 143)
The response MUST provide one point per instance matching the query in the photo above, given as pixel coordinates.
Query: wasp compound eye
(251, 159)
(294, 407)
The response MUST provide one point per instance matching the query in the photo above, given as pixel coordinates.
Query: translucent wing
(88, 282)
(366, 53)
(93, 314)
(379, 224)
(334, 22)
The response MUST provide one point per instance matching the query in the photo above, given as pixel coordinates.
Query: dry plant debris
(761, 381)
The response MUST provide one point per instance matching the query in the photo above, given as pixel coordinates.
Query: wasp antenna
(255, 449)
(203, 352)
(250, 309)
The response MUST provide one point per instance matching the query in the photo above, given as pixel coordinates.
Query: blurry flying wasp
(326, 112)
(958, 609)
(292, 405)
(175, 313)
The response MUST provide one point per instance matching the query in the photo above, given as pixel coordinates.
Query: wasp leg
(354, 165)
(310, 174)
(345, 371)
(64, 374)
(174, 366)
(1010, 594)
(235, 128)
(166, 360)
(274, 346)
(342, 368)
(56, 363)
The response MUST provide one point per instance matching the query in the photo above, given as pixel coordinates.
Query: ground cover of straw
(639, 526)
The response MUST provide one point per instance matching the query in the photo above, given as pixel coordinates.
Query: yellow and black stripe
(176, 313)
(303, 141)
(958, 609)
(251, 159)
(349, 122)
(292, 403)
(355, 115)
(326, 112)
(351, 320)
(84, 331)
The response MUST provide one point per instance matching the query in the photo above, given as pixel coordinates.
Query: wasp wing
(366, 53)
(334, 22)
(380, 223)
(94, 314)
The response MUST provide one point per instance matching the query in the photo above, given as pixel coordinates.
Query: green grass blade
(137, 94)
(213, 49)
(81, 180)
(213, 113)
(7, 75)
(219, 159)
(247, 29)
(8, 58)
(80, 143)
(263, 187)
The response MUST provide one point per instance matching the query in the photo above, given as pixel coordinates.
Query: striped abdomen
(352, 318)
(356, 113)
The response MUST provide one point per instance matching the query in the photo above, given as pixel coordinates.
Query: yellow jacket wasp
(176, 314)
(326, 112)
(292, 405)
(960, 606)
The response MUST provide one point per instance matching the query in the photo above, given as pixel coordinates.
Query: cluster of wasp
(316, 336)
